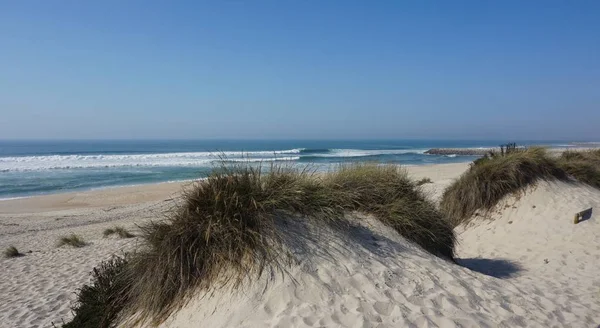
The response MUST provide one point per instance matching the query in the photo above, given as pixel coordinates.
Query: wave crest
(81, 161)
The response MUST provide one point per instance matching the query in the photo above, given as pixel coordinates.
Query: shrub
(71, 240)
(119, 231)
(486, 182)
(12, 251)
(224, 232)
(100, 302)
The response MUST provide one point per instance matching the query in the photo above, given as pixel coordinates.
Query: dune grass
(582, 165)
(423, 181)
(12, 251)
(392, 197)
(99, 303)
(488, 180)
(225, 231)
(119, 231)
(71, 240)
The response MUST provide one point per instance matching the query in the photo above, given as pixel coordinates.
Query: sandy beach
(37, 288)
(529, 267)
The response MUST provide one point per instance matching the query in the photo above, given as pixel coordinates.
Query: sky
(300, 70)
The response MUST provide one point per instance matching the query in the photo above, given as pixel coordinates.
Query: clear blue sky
(300, 69)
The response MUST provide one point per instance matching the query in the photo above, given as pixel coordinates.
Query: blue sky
(300, 69)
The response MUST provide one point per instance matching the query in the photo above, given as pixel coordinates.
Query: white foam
(190, 159)
(13, 198)
(52, 162)
(256, 160)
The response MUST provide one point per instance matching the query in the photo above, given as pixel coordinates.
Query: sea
(29, 168)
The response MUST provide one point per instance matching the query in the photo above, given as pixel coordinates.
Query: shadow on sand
(498, 268)
(585, 215)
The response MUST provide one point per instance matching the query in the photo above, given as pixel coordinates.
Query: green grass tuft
(12, 251)
(100, 302)
(119, 231)
(225, 230)
(487, 181)
(71, 240)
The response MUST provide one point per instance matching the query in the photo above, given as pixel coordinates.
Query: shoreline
(73, 191)
(133, 194)
(451, 152)
(183, 181)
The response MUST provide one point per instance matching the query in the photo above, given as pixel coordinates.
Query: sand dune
(527, 266)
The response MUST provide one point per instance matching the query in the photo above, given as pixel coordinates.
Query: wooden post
(576, 219)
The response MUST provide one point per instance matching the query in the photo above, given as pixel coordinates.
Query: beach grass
(99, 303)
(584, 166)
(386, 192)
(12, 251)
(226, 231)
(71, 240)
(423, 181)
(493, 177)
(119, 231)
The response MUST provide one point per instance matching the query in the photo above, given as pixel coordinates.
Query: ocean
(42, 167)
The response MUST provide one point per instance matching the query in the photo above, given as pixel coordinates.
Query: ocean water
(40, 167)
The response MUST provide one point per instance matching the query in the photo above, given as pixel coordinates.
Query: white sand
(38, 288)
(541, 269)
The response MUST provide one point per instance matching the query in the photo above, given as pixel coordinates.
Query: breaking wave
(81, 161)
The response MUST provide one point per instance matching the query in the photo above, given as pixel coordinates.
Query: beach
(506, 276)
(299, 164)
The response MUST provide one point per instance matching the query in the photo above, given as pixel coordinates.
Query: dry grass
(225, 231)
(387, 193)
(12, 251)
(487, 181)
(423, 181)
(119, 231)
(582, 165)
(71, 240)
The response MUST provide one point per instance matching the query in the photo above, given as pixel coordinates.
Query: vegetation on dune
(225, 231)
(71, 240)
(423, 181)
(388, 194)
(119, 231)
(100, 302)
(12, 251)
(582, 165)
(510, 170)
(491, 178)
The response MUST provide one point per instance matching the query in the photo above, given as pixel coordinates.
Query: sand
(528, 266)
(38, 288)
